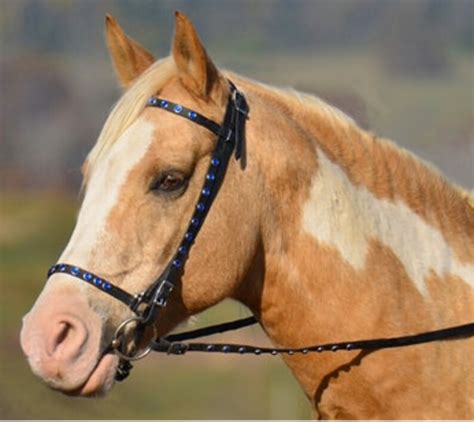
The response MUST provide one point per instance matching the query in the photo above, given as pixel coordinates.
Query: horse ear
(129, 58)
(197, 72)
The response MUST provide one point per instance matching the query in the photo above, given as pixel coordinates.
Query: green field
(33, 230)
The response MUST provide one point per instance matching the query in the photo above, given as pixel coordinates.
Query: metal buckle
(236, 97)
(137, 301)
(162, 294)
(241, 110)
(116, 343)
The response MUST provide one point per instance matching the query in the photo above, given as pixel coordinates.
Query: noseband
(147, 304)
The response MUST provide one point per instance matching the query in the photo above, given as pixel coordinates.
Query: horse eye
(168, 182)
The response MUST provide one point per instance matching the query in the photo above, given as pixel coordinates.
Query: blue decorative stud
(211, 177)
(242, 349)
(152, 101)
(87, 276)
(188, 236)
(215, 162)
(206, 191)
(97, 281)
(164, 104)
(176, 263)
(52, 270)
(226, 349)
(178, 108)
(75, 271)
(210, 348)
(334, 348)
(62, 268)
(195, 222)
(349, 346)
(200, 206)
(192, 115)
(182, 249)
(107, 286)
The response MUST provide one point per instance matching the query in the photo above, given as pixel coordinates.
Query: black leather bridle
(147, 304)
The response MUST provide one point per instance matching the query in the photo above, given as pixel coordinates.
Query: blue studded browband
(185, 112)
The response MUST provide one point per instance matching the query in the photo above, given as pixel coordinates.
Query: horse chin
(100, 380)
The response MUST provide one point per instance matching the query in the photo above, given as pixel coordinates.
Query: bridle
(147, 304)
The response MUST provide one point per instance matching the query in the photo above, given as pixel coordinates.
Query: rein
(173, 344)
(147, 305)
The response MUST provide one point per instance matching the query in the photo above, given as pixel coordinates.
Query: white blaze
(102, 194)
(347, 217)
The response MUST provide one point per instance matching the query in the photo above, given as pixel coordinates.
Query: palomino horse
(324, 231)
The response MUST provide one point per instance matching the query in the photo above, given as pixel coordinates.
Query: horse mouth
(100, 380)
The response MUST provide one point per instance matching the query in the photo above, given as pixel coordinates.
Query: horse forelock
(129, 107)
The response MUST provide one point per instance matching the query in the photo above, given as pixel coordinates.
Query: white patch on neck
(102, 194)
(347, 217)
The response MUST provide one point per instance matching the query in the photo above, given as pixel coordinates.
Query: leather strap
(172, 345)
(229, 136)
(187, 113)
(213, 329)
(96, 281)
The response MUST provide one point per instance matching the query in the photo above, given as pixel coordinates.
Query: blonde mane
(295, 100)
(314, 103)
(130, 105)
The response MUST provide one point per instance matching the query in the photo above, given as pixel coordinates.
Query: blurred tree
(54, 48)
(412, 41)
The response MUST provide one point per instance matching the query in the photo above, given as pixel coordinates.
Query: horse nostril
(61, 336)
(66, 338)
(63, 332)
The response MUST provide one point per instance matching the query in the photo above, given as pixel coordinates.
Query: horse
(325, 231)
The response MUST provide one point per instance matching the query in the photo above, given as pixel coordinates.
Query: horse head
(142, 181)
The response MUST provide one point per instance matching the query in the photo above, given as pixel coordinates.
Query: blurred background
(401, 68)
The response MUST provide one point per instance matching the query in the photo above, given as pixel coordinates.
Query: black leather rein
(147, 304)
(173, 344)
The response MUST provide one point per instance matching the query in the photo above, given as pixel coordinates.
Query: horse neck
(350, 224)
